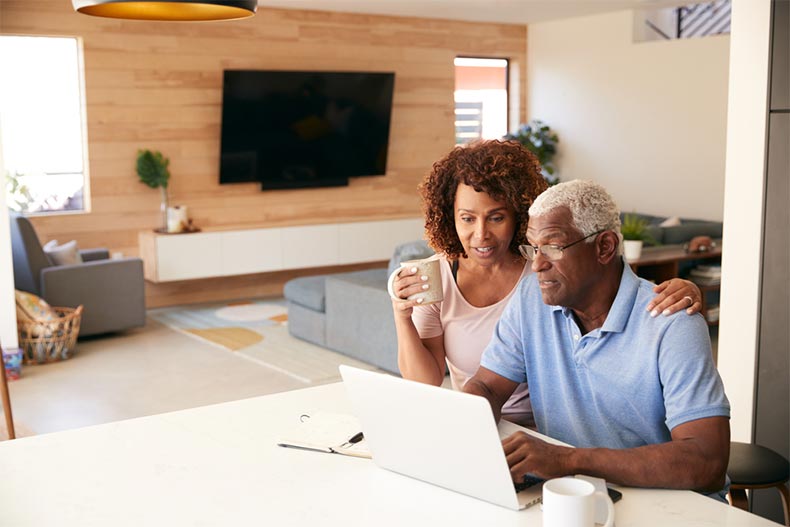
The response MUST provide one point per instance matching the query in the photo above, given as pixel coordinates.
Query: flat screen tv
(294, 129)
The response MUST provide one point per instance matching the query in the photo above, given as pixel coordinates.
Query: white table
(219, 465)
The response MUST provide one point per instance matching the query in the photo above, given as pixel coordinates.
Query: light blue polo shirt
(624, 385)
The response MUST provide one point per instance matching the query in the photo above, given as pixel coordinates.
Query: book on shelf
(327, 432)
(712, 313)
(706, 275)
(699, 280)
(701, 270)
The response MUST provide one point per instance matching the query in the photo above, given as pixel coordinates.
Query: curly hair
(505, 170)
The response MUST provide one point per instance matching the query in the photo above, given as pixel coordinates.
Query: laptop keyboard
(529, 481)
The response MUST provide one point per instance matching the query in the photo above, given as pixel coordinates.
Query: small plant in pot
(152, 170)
(635, 234)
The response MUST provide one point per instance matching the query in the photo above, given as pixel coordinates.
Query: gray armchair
(112, 292)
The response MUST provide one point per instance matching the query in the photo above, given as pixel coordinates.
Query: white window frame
(490, 102)
(43, 176)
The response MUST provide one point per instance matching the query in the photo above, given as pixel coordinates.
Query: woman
(475, 202)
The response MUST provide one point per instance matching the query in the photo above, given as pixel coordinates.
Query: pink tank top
(467, 330)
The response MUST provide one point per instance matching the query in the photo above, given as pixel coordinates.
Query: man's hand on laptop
(529, 455)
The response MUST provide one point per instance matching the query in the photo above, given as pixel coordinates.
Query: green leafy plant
(152, 170)
(539, 139)
(635, 228)
(18, 194)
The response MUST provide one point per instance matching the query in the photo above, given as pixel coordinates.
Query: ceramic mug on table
(429, 267)
(570, 502)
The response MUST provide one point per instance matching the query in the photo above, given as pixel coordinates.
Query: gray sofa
(678, 234)
(112, 292)
(350, 313)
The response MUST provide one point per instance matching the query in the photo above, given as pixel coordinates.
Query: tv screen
(292, 129)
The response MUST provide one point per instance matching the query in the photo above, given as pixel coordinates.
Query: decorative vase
(163, 208)
(632, 249)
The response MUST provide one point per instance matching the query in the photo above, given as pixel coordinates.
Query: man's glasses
(551, 252)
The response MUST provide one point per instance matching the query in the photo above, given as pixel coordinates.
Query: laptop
(436, 435)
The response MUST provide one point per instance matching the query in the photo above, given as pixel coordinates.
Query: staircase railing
(701, 20)
(697, 20)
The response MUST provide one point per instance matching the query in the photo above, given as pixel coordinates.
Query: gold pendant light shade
(174, 10)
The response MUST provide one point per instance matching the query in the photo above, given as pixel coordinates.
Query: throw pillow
(66, 254)
(415, 250)
(674, 221)
(31, 307)
(35, 318)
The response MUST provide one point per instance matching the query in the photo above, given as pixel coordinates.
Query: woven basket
(44, 340)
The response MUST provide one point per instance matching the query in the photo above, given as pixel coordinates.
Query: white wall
(8, 335)
(743, 205)
(647, 120)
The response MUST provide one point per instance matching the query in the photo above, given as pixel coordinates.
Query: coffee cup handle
(609, 507)
(390, 280)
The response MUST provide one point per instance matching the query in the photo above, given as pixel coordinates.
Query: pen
(356, 438)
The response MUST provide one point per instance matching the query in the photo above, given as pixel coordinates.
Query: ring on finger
(691, 300)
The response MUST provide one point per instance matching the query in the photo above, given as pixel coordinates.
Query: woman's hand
(406, 284)
(674, 295)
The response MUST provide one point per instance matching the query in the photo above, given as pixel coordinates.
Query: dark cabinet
(772, 404)
(772, 401)
(780, 56)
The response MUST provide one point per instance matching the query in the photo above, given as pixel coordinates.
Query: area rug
(256, 331)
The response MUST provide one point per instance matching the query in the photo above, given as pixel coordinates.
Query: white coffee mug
(429, 267)
(570, 502)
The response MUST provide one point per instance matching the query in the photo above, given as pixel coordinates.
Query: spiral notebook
(327, 432)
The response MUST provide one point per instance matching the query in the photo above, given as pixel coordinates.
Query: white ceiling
(503, 11)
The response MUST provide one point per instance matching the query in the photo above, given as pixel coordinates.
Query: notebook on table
(327, 432)
(439, 436)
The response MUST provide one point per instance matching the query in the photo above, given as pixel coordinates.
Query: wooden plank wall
(158, 85)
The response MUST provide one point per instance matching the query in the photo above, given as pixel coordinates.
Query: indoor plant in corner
(152, 170)
(539, 139)
(635, 233)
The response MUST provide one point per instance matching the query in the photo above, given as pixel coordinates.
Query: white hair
(592, 208)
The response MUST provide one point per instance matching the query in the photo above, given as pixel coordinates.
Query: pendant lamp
(174, 10)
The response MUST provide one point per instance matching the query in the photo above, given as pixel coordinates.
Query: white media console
(171, 257)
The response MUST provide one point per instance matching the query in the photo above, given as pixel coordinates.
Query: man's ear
(607, 243)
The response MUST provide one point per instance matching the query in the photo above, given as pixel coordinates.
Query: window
(41, 120)
(480, 98)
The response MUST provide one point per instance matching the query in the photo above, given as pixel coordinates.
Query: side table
(663, 263)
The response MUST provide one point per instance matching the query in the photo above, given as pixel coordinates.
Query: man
(639, 396)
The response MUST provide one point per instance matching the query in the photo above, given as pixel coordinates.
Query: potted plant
(635, 234)
(539, 139)
(152, 170)
(18, 194)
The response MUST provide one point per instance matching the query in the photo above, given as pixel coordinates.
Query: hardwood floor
(137, 373)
